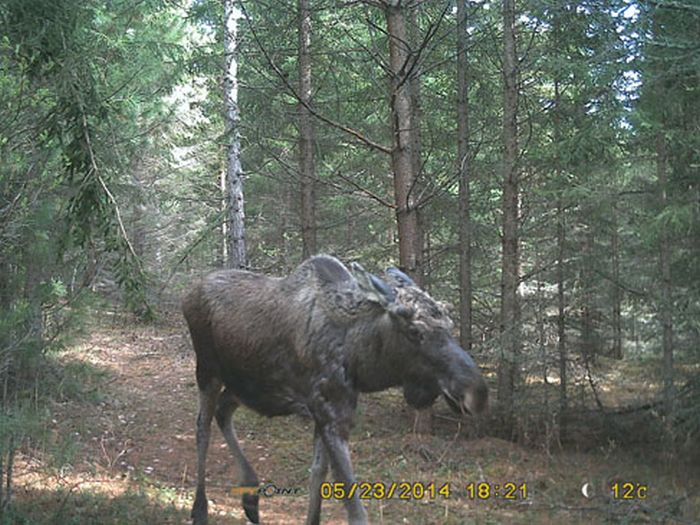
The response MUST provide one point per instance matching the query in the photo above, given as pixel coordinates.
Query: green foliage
(79, 381)
(95, 68)
(19, 423)
(134, 506)
(80, 86)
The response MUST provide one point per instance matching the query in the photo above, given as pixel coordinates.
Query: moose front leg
(339, 455)
(319, 469)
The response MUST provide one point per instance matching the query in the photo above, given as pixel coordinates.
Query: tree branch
(93, 165)
(359, 136)
(367, 192)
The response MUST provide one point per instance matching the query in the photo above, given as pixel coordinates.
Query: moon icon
(585, 490)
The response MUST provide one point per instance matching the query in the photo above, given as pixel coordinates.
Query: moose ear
(398, 278)
(376, 290)
(383, 288)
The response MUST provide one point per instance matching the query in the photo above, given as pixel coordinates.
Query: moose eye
(414, 333)
(403, 311)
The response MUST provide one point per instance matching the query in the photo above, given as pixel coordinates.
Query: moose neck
(378, 361)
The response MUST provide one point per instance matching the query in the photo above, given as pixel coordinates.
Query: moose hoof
(250, 506)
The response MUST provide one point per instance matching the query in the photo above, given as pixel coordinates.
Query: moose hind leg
(224, 411)
(207, 403)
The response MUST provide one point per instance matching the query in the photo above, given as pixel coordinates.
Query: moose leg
(339, 454)
(319, 469)
(224, 411)
(207, 402)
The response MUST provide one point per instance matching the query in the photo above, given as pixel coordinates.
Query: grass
(74, 507)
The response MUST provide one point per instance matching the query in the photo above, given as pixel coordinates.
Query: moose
(307, 344)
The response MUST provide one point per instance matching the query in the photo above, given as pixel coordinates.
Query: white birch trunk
(234, 173)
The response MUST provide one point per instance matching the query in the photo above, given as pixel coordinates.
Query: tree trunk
(286, 195)
(402, 155)
(465, 241)
(424, 418)
(561, 240)
(666, 306)
(237, 257)
(224, 224)
(306, 135)
(541, 330)
(427, 253)
(416, 150)
(510, 279)
(561, 315)
(588, 340)
(616, 289)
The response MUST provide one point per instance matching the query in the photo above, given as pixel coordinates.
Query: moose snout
(476, 397)
(465, 391)
(470, 397)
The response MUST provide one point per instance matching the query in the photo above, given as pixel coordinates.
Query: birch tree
(235, 216)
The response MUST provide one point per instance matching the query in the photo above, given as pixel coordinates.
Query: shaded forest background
(536, 163)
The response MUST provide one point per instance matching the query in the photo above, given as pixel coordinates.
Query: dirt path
(128, 443)
(137, 434)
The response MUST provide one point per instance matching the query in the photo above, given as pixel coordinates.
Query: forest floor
(121, 449)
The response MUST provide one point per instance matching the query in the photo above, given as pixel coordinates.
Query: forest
(533, 164)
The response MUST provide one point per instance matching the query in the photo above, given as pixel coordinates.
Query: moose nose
(476, 397)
